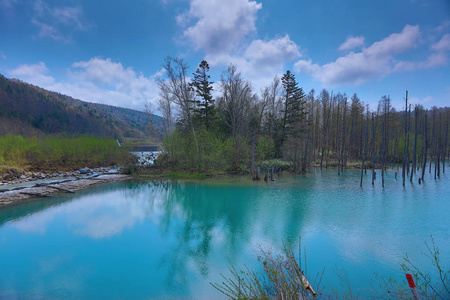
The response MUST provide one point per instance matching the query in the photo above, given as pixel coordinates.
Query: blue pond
(170, 239)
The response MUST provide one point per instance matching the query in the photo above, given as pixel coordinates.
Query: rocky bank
(18, 187)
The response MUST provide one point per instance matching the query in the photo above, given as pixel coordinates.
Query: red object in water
(410, 281)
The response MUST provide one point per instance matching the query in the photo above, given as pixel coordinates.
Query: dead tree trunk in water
(432, 138)
(325, 133)
(407, 141)
(343, 161)
(373, 150)
(338, 141)
(253, 155)
(439, 145)
(426, 147)
(445, 147)
(416, 116)
(387, 129)
(404, 146)
(384, 141)
(383, 136)
(364, 153)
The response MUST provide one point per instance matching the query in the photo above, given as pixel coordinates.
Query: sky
(112, 52)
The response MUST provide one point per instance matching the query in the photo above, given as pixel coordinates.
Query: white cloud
(97, 80)
(220, 25)
(443, 44)
(306, 66)
(272, 52)
(352, 42)
(226, 32)
(433, 60)
(371, 63)
(58, 23)
(103, 71)
(34, 74)
(438, 58)
(261, 60)
(104, 81)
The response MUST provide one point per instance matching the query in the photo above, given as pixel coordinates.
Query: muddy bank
(39, 190)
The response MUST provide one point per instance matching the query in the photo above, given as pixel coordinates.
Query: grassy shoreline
(19, 154)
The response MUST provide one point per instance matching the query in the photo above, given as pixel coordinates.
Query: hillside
(29, 110)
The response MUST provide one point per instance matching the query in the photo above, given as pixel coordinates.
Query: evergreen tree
(294, 104)
(203, 87)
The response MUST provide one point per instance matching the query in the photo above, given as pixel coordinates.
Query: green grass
(60, 153)
(137, 142)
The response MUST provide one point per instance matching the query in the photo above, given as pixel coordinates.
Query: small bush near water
(60, 153)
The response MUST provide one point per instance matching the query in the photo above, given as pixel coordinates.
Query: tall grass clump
(60, 153)
(281, 278)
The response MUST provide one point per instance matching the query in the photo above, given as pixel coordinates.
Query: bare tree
(176, 87)
(165, 106)
(236, 100)
(325, 99)
(272, 93)
(235, 105)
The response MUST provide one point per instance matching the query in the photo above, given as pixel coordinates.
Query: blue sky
(112, 51)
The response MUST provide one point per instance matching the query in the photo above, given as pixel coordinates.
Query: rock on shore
(17, 195)
(12, 175)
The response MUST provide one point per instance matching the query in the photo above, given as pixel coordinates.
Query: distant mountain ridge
(29, 110)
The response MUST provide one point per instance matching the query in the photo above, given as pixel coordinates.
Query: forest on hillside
(29, 111)
(242, 128)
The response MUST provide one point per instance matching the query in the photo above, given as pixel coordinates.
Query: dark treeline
(243, 128)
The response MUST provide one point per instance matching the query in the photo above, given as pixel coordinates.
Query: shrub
(276, 163)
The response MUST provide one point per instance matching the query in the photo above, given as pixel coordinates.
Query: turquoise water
(170, 239)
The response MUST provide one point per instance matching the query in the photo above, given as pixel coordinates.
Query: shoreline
(38, 191)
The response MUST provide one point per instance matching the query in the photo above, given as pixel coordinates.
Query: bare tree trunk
(326, 133)
(382, 152)
(338, 141)
(373, 150)
(445, 146)
(404, 146)
(432, 138)
(441, 145)
(407, 141)
(253, 155)
(426, 147)
(387, 130)
(364, 153)
(416, 116)
(343, 135)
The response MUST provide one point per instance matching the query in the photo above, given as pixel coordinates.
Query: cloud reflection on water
(188, 232)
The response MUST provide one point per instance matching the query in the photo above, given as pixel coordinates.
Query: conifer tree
(294, 103)
(203, 87)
